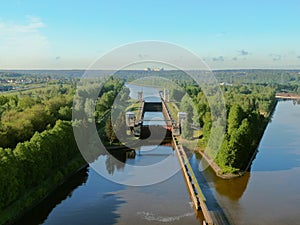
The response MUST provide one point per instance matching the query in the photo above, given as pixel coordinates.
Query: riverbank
(216, 168)
(36, 195)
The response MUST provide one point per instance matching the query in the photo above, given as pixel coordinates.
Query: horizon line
(74, 69)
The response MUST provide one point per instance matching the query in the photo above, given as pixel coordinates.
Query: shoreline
(216, 168)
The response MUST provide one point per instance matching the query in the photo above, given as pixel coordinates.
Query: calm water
(147, 91)
(99, 201)
(269, 194)
(96, 200)
(153, 118)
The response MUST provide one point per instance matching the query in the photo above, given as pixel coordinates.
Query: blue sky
(226, 34)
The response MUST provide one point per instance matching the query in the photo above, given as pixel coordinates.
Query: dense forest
(34, 127)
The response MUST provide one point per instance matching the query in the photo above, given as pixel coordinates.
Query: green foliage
(207, 126)
(65, 113)
(120, 126)
(24, 115)
(105, 102)
(186, 105)
(109, 131)
(30, 124)
(11, 177)
(3, 100)
(235, 117)
(33, 161)
(34, 195)
(248, 107)
(26, 102)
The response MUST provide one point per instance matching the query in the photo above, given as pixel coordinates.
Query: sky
(52, 34)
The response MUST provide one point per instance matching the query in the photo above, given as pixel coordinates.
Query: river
(268, 194)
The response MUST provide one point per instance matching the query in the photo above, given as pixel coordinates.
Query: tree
(65, 113)
(177, 94)
(3, 100)
(109, 131)
(120, 126)
(124, 95)
(105, 102)
(89, 108)
(186, 105)
(26, 102)
(11, 178)
(235, 117)
(207, 126)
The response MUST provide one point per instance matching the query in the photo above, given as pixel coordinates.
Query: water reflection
(147, 91)
(296, 102)
(230, 188)
(95, 202)
(115, 160)
(205, 182)
(40, 213)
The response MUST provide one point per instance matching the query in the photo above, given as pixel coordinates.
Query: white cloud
(21, 41)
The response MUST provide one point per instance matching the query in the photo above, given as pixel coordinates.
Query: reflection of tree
(116, 160)
(110, 164)
(232, 188)
(296, 102)
(38, 214)
(120, 127)
(109, 131)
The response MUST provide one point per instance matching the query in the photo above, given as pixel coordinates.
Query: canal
(268, 194)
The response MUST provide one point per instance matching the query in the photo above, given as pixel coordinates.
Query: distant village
(16, 81)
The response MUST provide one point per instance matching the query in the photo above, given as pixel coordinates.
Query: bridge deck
(194, 189)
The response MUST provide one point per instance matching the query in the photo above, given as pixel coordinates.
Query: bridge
(172, 131)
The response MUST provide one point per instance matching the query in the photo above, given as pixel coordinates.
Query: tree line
(248, 109)
(31, 162)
